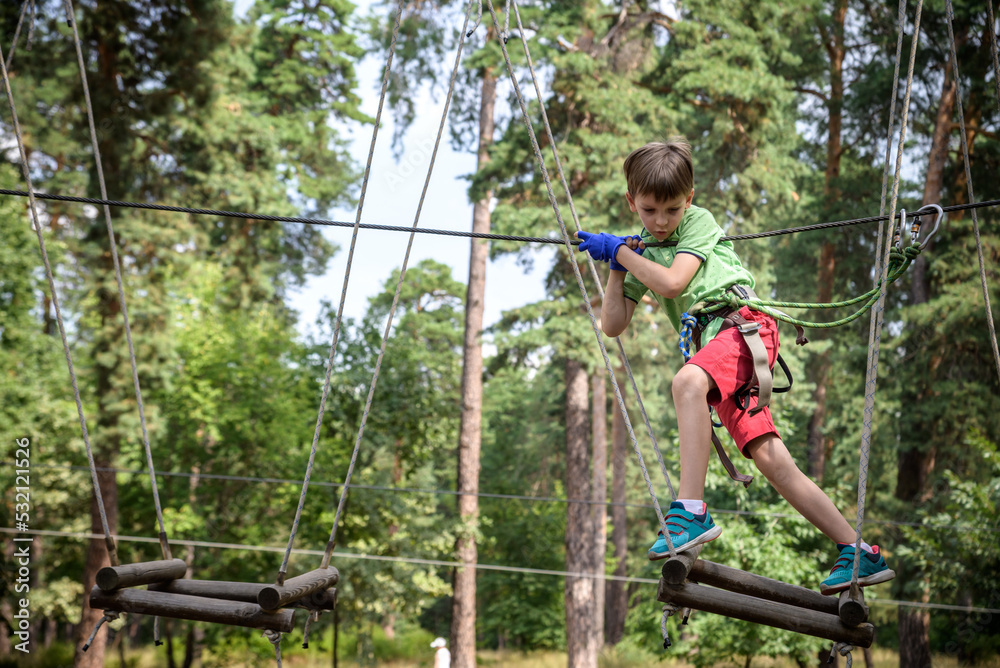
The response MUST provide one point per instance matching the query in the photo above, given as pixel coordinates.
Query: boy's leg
(694, 428)
(687, 529)
(774, 461)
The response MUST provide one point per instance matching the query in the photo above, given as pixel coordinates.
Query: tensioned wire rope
(875, 330)
(343, 298)
(71, 19)
(153, 206)
(661, 520)
(950, 14)
(420, 561)
(50, 278)
(489, 495)
(399, 285)
(512, 4)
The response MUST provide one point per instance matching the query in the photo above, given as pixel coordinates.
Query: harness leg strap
(728, 464)
(761, 368)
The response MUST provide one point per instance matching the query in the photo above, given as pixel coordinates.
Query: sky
(391, 199)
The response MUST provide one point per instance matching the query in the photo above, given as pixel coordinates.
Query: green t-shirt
(698, 234)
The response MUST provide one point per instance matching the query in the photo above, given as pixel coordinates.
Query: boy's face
(660, 218)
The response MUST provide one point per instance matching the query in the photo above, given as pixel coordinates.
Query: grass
(883, 658)
(149, 657)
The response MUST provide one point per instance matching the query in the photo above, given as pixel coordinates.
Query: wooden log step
(675, 569)
(246, 592)
(741, 582)
(111, 578)
(273, 597)
(769, 613)
(195, 608)
(852, 610)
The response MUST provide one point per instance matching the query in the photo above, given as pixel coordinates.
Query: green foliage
(410, 435)
(59, 654)
(195, 107)
(523, 457)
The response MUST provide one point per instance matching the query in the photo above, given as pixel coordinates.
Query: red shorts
(727, 359)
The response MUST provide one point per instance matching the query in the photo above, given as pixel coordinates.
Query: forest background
(786, 105)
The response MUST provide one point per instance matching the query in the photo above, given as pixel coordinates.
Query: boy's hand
(603, 247)
(634, 242)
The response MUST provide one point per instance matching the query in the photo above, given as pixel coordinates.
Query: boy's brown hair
(660, 169)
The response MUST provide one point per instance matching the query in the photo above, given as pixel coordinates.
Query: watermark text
(22, 543)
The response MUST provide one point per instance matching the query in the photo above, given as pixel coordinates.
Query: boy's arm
(616, 309)
(666, 281)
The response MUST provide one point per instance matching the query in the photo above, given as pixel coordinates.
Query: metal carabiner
(897, 231)
(915, 231)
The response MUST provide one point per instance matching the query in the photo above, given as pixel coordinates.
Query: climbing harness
(727, 307)
(761, 384)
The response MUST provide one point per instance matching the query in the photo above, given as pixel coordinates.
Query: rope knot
(688, 324)
(274, 637)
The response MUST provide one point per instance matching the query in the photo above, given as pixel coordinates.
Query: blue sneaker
(686, 530)
(872, 569)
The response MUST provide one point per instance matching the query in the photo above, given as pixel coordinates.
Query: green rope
(899, 261)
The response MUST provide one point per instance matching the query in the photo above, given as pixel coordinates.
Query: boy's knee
(690, 380)
(772, 460)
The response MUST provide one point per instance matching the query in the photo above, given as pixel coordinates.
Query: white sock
(865, 546)
(693, 506)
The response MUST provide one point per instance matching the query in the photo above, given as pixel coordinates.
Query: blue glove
(615, 265)
(601, 245)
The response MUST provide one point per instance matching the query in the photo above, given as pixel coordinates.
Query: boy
(660, 182)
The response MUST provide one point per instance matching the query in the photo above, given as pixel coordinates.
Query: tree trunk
(109, 341)
(167, 626)
(193, 645)
(916, 464)
(815, 438)
(463, 617)
(6, 616)
(934, 181)
(914, 628)
(581, 645)
(836, 52)
(194, 642)
(617, 595)
(599, 495)
(938, 157)
(97, 558)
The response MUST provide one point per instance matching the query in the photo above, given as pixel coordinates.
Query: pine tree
(190, 108)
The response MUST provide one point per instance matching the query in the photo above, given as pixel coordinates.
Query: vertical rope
(875, 332)
(25, 169)
(590, 260)
(343, 298)
(950, 13)
(579, 277)
(17, 31)
(274, 637)
(71, 19)
(399, 285)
